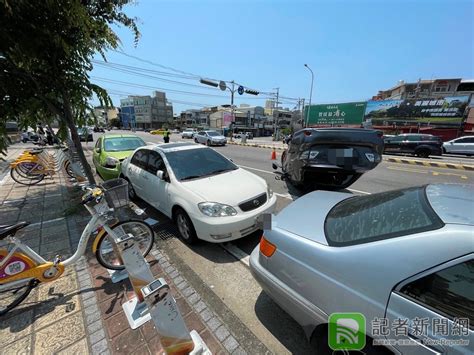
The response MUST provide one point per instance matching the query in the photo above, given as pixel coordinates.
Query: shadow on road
(281, 325)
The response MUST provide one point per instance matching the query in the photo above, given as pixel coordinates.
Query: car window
(385, 215)
(413, 138)
(140, 158)
(213, 134)
(120, 144)
(397, 139)
(155, 163)
(449, 292)
(465, 140)
(197, 163)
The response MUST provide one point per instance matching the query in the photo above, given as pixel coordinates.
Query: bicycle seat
(8, 229)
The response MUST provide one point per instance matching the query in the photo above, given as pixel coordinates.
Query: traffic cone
(274, 154)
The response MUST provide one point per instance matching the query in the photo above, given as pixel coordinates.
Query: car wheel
(444, 150)
(208, 143)
(131, 191)
(423, 153)
(195, 140)
(185, 227)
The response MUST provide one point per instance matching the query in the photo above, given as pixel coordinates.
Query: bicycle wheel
(25, 180)
(28, 169)
(68, 168)
(12, 296)
(142, 232)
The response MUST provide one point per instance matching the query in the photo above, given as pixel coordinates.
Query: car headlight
(269, 192)
(214, 209)
(111, 162)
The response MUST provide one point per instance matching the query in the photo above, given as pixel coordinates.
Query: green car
(110, 150)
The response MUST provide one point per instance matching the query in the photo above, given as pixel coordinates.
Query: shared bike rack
(153, 301)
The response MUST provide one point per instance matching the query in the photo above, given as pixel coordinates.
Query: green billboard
(347, 113)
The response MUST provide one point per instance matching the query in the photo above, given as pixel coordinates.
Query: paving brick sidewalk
(81, 312)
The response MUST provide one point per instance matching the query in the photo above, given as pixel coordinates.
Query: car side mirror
(160, 174)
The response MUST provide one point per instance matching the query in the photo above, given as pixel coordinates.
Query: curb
(256, 145)
(431, 164)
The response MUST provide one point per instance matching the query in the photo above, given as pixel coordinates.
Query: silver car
(403, 259)
(188, 133)
(210, 138)
(461, 145)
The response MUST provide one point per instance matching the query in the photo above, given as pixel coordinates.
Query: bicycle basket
(116, 192)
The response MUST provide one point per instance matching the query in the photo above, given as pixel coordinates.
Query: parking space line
(236, 252)
(288, 196)
(360, 192)
(262, 171)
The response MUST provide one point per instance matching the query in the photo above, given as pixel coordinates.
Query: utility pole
(275, 118)
(232, 106)
(303, 123)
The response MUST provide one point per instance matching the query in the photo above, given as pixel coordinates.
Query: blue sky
(355, 48)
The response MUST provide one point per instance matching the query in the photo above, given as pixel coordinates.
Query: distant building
(269, 106)
(427, 89)
(146, 111)
(104, 114)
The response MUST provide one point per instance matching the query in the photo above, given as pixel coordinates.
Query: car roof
(174, 147)
(118, 135)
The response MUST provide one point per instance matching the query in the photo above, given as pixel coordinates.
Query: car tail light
(267, 248)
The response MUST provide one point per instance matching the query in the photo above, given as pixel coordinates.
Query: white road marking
(360, 192)
(238, 253)
(288, 196)
(262, 171)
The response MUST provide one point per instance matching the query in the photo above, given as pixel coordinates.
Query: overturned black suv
(330, 158)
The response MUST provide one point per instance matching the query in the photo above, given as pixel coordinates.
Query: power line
(155, 87)
(128, 71)
(195, 76)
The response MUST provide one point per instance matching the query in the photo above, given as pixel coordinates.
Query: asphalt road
(221, 272)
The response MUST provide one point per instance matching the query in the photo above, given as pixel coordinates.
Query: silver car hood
(305, 216)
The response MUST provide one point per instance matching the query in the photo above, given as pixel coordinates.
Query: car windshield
(213, 134)
(385, 215)
(120, 144)
(198, 163)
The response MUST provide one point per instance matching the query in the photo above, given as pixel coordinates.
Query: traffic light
(251, 92)
(208, 82)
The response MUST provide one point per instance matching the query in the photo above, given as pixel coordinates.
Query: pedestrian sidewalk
(81, 312)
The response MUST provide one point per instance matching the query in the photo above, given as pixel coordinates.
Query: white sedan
(204, 193)
(461, 145)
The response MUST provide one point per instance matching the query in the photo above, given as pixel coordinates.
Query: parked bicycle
(33, 165)
(22, 269)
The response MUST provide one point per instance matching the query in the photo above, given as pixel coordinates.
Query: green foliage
(46, 49)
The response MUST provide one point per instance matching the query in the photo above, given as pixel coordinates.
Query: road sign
(222, 85)
(240, 90)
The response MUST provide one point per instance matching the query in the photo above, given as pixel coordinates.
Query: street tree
(46, 52)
